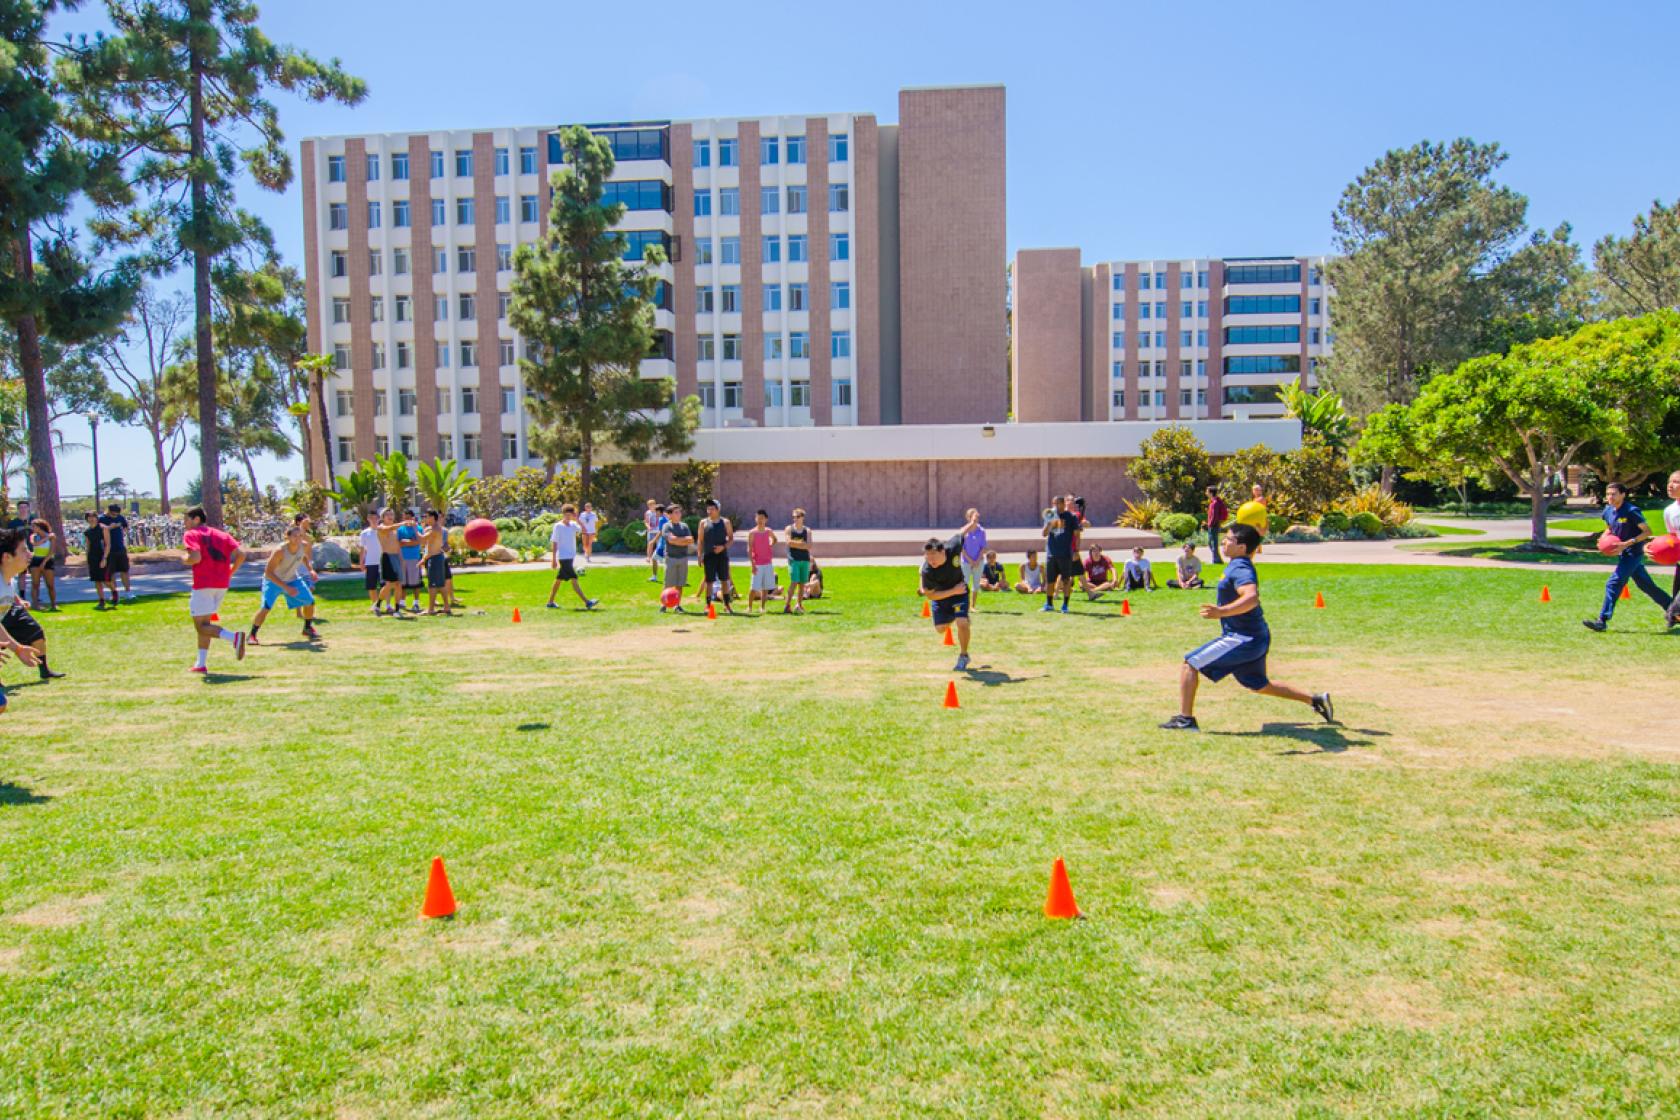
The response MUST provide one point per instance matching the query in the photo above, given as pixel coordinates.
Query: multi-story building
(1164, 340)
(824, 271)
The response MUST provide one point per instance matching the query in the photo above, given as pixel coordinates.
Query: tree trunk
(1388, 480)
(209, 446)
(318, 391)
(42, 467)
(251, 474)
(1539, 503)
(586, 465)
(163, 476)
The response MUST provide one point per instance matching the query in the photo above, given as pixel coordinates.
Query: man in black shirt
(716, 533)
(947, 590)
(116, 557)
(1061, 534)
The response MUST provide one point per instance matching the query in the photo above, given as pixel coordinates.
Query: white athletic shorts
(206, 601)
(764, 578)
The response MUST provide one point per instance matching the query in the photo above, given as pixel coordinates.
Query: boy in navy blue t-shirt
(1240, 650)
(1626, 523)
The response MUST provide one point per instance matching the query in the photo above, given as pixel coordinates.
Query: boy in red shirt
(212, 555)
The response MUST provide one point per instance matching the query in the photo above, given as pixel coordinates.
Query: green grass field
(752, 868)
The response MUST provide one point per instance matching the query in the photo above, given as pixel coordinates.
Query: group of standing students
(670, 542)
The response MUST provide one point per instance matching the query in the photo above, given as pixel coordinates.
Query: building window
(469, 401)
(400, 214)
(501, 155)
(1186, 308)
(376, 309)
(399, 262)
(1313, 306)
(1184, 368)
(637, 194)
(405, 444)
(1201, 367)
(1143, 281)
(440, 261)
(1263, 274)
(1262, 305)
(839, 198)
(702, 251)
(341, 310)
(799, 344)
(769, 200)
(799, 394)
(338, 215)
(1160, 280)
(508, 404)
(839, 246)
(463, 163)
(505, 356)
(773, 394)
(405, 355)
(1118, 311)
(702, 153)
(510, 445)
(440, 213)
(527, 161)
(1251, 394)
(838, 147)
(504, 257)
(335, 169)
(772, 297)
(1117, 368)
(528, 208)
(344, 403)
(443, 401)
(726, 152)
(1160, 309)
(346, 449)
(470, 446)
(373, 215)
(799, 297)
(1117, 340)
(797, 250)
(706, 348)
(771, 249)
(466, 259)
(437, 165)
(731, 394)
(731, 298)
(842, 392)
(379, 408)
(1144, 310)
(440, 354)
(731, 250)
(702, 204)
(440, 309)
(708, 396)
(773, 347)
(1201, 309)
(1184, 337)
(729, 202)
(1313, 336)
(796, 149)
(468, 306)
(840, 344)
(769, 149)
(1160, 340)
(504, 209)
(796, 197)
(1264, 363)
(1201, 338)
(446, 445)
(731, 347)
(1315, 276)
(1253, 336)
(464, 211)
(839, 295)
(703, 300)
(469, 355)
(1186, 280)
(1119, 398)
(399, 165)
(504, 303)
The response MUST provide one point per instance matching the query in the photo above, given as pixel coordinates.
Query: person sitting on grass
(283, 578)
(1627, 524)
(1032, 575)
(1139, 574)
(992, 575)
(814, 585)
(1189, 567)
(1244, 639)
(1099, 577)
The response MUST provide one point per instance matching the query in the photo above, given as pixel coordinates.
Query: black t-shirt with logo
(948, 574)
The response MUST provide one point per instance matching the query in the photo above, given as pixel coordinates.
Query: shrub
(1311, 479)
(633, 534)
(693, 483)
(309, 499)
(1277, 524)
(1238, 473)
(506, 525)
(1388, 509)
(1177, 526)
(610, 537)
(1141, 514)
(490, 497)
(1173, 468)
(1333, 521)
(457, 540)
(1367, 524)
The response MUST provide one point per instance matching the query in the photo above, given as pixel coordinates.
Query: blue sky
(1135, 130)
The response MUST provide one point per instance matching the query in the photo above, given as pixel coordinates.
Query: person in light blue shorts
(283, 579)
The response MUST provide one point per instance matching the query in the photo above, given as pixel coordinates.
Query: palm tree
(1322, 413)
(398, 478)
(359, 490)
(442, 482)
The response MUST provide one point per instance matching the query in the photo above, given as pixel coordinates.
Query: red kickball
(1664, 550)
(1608, 543)
(670, 597)
(481, 535)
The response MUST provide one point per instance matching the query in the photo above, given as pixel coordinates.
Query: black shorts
(21, 625)
(437, 571)
(372, 577)
(97, 571)
(117, 562)
(388, 569)
(39, 563)
(716, 567)
(566, 570)
(1057, 567)
(947, 611)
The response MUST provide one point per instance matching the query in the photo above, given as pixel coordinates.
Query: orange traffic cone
(950, 641)
(1627, 592)
(1060, 903)
(1318, 601)
(1545, 593)
(440, 900)
(516, 614)
(711, 610)
(951, 695)
(1126, 608)
(927, 609)
(214, 617)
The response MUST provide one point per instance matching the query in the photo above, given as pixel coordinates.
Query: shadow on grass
(991, 678)
(532, 727)
(1325, 738)
(227, 678)
(301, 643)
(20, 795)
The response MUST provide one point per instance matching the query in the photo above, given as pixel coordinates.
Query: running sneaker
(200, 669)
(1323, 706)
(1181, 723)
(252, 638)
(1046, 609)
(591, 604)
(553, 606)
(311, 633)
(1596, 625)
(1064, 608)
(962, 663)
(239, 645)
(50, 674)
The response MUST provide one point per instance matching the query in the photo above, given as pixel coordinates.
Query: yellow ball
(1253, 513)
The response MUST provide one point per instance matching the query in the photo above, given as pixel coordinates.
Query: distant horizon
(1232, 134)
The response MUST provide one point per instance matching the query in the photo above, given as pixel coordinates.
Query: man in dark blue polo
(1626, 523)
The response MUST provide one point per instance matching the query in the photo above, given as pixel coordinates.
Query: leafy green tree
(442, 483)
(1310, 480)
(1640, 273)
(1633, 367)
(260, 318)
(397, 477)
(1390, 438)
(137, 357)
(51, 288)
(194, 94)
(1173, 468)
(587, 317)
(1236, 474)
(359, 490)
(1436, 265)
(1320, 413)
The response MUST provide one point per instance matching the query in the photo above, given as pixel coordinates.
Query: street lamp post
(93, 426)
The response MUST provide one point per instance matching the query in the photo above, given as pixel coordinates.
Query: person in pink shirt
(213, 555)
(761, 553)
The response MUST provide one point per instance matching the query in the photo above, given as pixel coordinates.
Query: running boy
(1240, 650)
(213, 556)
(562, 556)
(283, 579)
(761, 551)
(799, 563)
(1627, 524)
(945, 587)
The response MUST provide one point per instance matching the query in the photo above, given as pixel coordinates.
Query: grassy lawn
(752, 868)
(1453, 530)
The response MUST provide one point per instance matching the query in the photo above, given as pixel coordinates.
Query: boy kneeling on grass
(1240, 650)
